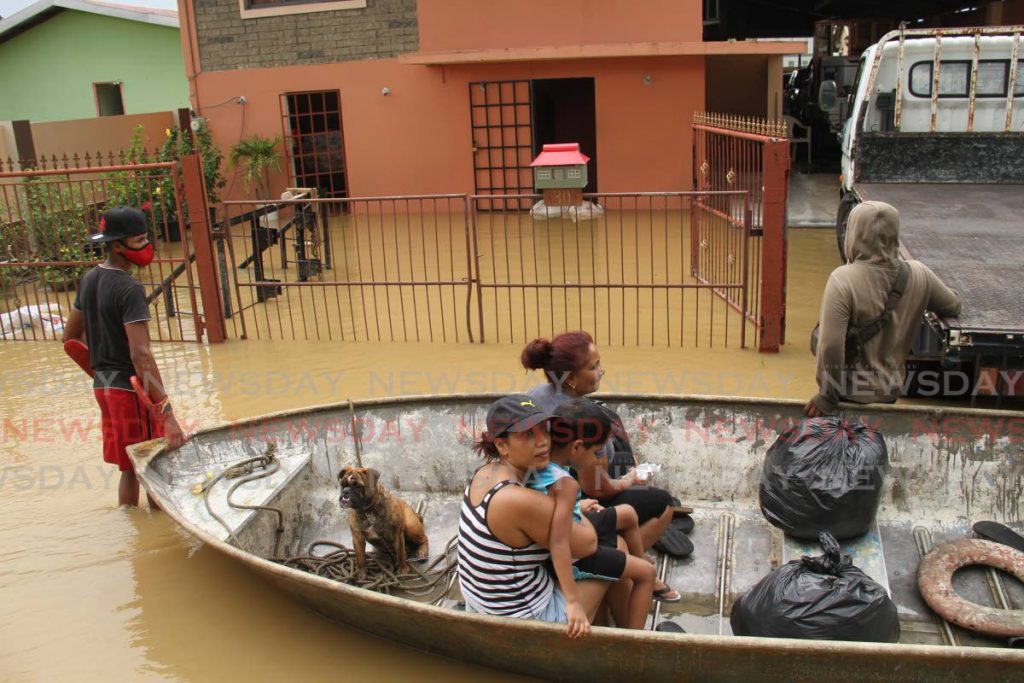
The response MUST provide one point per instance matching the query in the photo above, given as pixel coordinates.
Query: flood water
(92, 592)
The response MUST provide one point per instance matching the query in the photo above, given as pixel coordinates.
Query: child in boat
(581, 428)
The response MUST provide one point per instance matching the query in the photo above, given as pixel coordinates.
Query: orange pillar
(202, 243)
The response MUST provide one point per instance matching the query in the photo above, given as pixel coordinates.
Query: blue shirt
(544, 478)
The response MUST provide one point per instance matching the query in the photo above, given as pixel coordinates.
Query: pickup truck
(936, 128)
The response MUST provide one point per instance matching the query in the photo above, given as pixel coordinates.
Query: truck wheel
(929, 379)
(846, 205)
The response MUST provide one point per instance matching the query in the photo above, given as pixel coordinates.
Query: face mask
(141, 257)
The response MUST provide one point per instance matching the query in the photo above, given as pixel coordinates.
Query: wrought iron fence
(750, 155)
(97, 159)
(451, 268)
(618, 265)
(356, 269)
(46, 217)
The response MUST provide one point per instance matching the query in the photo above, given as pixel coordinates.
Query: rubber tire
(846, 205)
(914, 389)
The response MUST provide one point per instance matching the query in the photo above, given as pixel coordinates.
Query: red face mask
(141, 257)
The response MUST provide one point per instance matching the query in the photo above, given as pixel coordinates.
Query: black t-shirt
(109, 299)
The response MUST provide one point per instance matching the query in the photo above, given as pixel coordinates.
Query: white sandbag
(587, 211)
(45, 318)
(543, 212)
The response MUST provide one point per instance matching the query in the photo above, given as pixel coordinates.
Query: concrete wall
(8, 150)
(475, 24)
(103, 134)
(417, 139)
(383, 28)
(47, 73)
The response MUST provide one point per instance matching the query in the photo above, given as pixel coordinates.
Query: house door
(563, 111)
(314, 142)
(502, 127)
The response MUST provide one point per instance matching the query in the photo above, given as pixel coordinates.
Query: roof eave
(547, 53)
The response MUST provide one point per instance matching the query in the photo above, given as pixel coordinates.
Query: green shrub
(57, 228)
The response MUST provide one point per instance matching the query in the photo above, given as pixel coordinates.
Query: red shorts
(124, 421)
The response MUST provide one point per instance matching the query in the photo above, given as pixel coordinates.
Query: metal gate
(752, 155)
(46, 218)
(501, 122)
(616, 266)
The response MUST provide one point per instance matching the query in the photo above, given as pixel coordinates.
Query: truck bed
(972, 237)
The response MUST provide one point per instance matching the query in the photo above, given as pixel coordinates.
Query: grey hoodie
(857, 292)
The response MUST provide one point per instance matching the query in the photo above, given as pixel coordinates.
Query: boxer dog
(383, 519)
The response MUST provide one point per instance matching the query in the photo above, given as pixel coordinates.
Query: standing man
(860, 296)
(110, 314)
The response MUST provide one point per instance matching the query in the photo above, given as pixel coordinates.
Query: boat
(948, 468)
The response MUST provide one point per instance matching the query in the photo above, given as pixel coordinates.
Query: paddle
(79, 353)
(140, 391)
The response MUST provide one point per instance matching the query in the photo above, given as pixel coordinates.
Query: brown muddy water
(92, 592)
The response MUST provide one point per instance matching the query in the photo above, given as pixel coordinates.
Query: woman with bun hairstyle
(572, 367)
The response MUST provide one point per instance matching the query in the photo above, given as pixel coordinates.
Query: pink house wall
(416, 140)
(447, 25)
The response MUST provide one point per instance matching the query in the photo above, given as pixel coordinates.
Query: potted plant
(257, 155)
(178, 143)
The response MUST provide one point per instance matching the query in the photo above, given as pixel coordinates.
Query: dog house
(560, 172)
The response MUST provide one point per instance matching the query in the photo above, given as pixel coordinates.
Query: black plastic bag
(824, 474)
(818, 598)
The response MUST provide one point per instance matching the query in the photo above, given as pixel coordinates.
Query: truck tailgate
(972, 237)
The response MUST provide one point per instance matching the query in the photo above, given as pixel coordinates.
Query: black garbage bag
(818, 598)
(824, 474)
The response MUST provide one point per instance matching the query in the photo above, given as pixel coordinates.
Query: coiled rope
(381, 574)
(340, 564)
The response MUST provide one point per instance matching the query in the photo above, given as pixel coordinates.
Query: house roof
(560, 154)
(39, 12)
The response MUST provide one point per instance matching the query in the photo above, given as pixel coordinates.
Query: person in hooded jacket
(856, 294)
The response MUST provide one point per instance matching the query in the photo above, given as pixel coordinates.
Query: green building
(75, 59)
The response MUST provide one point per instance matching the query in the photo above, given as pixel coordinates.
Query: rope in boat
(245, 471)
(381, 576)
(339, 565)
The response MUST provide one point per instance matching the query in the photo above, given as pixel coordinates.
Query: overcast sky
(9, 7)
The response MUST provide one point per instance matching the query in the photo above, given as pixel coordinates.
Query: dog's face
(360, 487)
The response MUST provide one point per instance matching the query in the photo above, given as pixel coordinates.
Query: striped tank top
(497, 578)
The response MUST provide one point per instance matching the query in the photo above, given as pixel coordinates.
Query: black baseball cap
(515, 413)
(121, 222)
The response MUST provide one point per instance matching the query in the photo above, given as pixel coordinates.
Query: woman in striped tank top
(504, 527)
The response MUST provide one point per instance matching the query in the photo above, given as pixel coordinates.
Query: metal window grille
(314, 141)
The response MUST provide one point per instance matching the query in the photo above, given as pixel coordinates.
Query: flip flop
(663, 594)
(682, 523)
(1000, 533)
(79, 353)
(675, 543)
(669, 627)
(678, 508)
